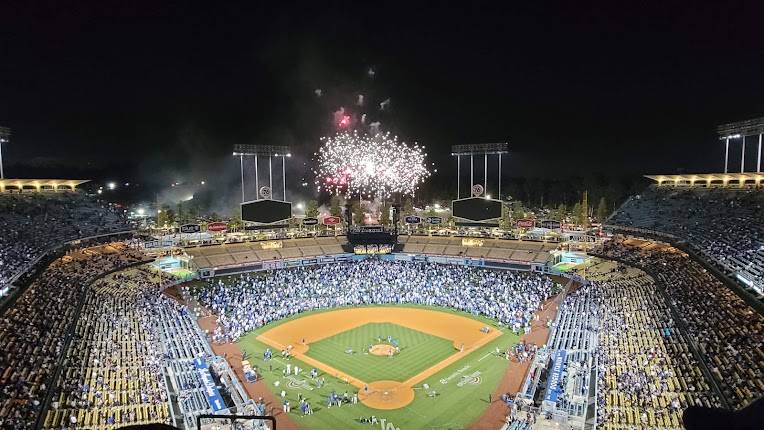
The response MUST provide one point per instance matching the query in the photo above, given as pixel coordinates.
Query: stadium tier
(33, 223)
(725, 225)
(231, 256)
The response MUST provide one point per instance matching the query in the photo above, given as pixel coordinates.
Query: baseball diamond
(406, 389)
(464, 334)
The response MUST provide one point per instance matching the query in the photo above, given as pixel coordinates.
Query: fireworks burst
(369, 165)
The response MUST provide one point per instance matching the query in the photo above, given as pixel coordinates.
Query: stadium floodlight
(738, 129)
(262, 150)
(111, 185)
(5, 132)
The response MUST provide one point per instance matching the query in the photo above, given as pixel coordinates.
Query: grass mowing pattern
(455, 407)
(418, 352)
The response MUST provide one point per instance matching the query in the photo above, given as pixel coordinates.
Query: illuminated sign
(271, 244)
(471, 241)
(413, 219)
(525, 223)
(332, 220)
(217, 227)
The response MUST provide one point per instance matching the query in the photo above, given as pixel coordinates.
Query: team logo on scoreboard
(265, 192)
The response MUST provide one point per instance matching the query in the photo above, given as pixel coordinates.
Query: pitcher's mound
(386, 395)
(382, 349)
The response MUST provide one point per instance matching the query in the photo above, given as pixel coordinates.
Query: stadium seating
(33, 329)
(726, 225)
(724, 331)
(134, 349)
(219, 256)
(648, 374)
(36, 222)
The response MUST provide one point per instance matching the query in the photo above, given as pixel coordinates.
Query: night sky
(157, 91)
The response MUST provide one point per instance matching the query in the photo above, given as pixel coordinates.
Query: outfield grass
(418, 352)
(456, 405)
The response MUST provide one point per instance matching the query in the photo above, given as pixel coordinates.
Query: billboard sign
(266, 211)
(476, 209)
(525, 223)
(190, 228)
(332, 220)
(216, 227)
(551, 224)
(434, 220)
(413, 219)
(309, 221)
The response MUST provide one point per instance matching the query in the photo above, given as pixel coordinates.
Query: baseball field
(413, 366)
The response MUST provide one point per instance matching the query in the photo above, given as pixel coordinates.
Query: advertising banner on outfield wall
(216, 227)
(525, 223)
(434, 220)
(413, 219)
(309, 221)
(551, 224)
(190, 228)
(332, 220)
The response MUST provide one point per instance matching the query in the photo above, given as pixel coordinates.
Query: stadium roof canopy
(710, 179)
(40, 184)
(746, 127)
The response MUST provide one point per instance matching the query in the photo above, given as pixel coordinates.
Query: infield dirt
(465, 334)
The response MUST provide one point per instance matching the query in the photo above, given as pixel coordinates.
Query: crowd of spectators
(130, 340)
(33, 329)
(113, 371)
(726, 225)
(647, 371)
(724, 330)
(33, 223)
(250, 301)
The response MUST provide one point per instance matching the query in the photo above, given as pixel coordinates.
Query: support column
(270, 174)
(499, 175)
(459, 173)
(257, 182)
(726, 152)
(472, 171)
(241, 164)
(742, 157)
(485, 174)
(758, 159)
(283, 175)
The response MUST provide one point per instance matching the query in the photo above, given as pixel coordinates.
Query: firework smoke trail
(369, 165)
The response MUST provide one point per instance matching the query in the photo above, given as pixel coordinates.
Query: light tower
(265, 209)
(478, 209)
(5, 134)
